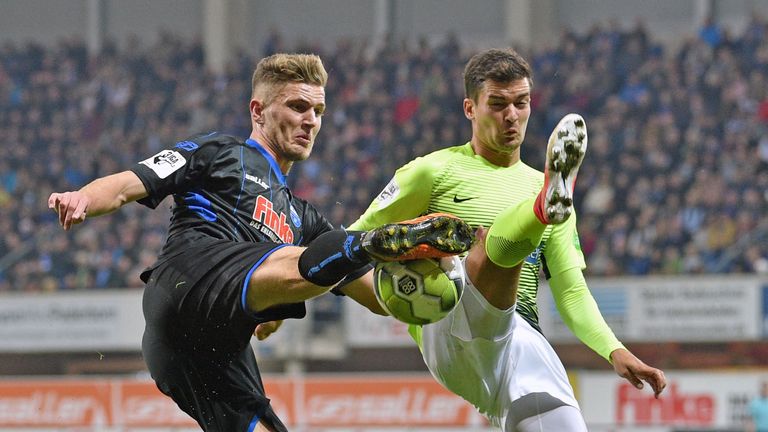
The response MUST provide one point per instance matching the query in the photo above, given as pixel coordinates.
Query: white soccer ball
(419, 291)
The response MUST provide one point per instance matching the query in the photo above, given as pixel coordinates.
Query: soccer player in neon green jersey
(489, 349)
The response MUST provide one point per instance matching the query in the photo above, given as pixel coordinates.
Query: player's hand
(263, 330)
(635, 371)
(70, 206)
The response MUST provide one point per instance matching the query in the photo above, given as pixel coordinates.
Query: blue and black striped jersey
(227, 188)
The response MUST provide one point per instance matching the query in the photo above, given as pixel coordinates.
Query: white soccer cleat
(565, 150)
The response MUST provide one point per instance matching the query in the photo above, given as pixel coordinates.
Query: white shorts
(493, 358)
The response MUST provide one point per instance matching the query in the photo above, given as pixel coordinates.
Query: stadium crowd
(674, 182)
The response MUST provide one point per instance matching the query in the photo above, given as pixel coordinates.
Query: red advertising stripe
(141, 404)
(55, 403)
(392, 401)
(328, 401)
(282, 396)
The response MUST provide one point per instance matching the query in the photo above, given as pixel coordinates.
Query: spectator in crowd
(758, 411)
(687, 125)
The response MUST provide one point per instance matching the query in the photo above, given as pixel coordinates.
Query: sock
(538, 207)
(332, 256)
(514, 234)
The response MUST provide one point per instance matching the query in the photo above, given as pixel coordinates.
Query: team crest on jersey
(390, 192)
(295, 218)
(165, 162)
(270, 223)
(533, 258)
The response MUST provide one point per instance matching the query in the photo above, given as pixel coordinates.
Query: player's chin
(300, 153)
(511, 139)
(509, 147)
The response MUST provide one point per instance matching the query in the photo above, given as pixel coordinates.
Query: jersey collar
(250, 142)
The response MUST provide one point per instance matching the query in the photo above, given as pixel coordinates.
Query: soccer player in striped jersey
(490, 349)
(241, 249)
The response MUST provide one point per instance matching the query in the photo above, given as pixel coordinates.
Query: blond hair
(273, 72)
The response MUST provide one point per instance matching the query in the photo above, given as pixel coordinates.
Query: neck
(284, 164)
(494, 157)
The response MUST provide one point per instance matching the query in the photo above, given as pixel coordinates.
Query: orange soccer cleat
(434, 235)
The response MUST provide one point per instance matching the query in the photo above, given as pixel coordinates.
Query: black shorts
(197, 337)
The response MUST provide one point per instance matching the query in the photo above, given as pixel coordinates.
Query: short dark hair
(502, 65)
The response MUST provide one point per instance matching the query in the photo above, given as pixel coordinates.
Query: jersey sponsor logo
(165, 163)
(456, 199)
(187, 145)
(390, 192)
(270, 223)
(257, 180)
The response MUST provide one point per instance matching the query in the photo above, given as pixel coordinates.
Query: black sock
(332, 256)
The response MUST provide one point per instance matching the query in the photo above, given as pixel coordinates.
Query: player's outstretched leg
(432, 236)
(516, 231)
(338, 253)
(565, 152)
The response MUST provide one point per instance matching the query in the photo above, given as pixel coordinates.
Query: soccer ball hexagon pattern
(420, 291)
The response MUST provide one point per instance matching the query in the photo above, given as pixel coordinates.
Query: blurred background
(671, 197)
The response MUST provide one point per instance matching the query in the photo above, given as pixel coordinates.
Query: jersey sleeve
(406, 196)
(174, 170)
(563, 248)
(578, 309)
(580, 313)
(313, 222)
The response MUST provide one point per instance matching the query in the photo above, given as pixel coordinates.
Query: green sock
(514, 234)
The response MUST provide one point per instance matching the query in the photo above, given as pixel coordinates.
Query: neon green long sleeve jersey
(455, 180)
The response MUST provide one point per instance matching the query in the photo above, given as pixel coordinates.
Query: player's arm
(101, 196)
(578, 309)
(580, 313)
(406, 196)
(361, 291)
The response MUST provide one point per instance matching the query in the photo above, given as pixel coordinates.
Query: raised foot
(435, 235)
(565, 151)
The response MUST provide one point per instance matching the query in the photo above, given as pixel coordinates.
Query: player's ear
(469, 108)
(257, 111)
